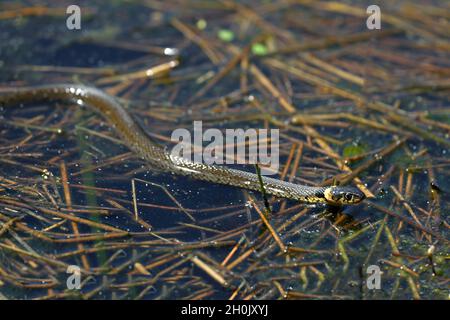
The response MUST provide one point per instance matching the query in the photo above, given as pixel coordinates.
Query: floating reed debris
(348, 112)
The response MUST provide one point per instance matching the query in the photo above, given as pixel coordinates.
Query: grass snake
(138, 141)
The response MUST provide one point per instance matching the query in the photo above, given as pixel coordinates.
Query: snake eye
(348, 197)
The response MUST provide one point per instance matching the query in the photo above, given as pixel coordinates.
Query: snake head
(343, 195)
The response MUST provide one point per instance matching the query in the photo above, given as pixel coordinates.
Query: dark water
(339, 253)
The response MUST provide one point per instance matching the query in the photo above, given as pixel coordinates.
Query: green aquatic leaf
(201, 24)
(259, 49)
(225, 35)
(353, 150)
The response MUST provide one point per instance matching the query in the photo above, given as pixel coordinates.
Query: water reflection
(339, 218)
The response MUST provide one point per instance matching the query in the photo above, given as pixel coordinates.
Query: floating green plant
(225, 35)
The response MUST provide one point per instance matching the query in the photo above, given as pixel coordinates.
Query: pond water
(366, 108)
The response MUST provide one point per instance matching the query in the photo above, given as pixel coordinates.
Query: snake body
(138, 141)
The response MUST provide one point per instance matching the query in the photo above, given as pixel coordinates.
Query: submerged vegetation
(354, 106)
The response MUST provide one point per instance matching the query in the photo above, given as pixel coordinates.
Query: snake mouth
(337, 195)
